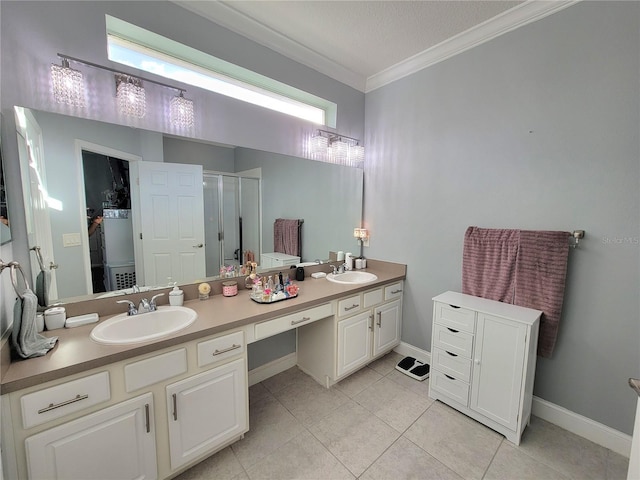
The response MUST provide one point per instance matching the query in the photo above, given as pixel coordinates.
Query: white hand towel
(26, 339)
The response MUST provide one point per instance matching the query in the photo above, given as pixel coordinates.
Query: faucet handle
(132, 310)
(152, 303)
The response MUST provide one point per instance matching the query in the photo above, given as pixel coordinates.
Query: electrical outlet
(365, 242)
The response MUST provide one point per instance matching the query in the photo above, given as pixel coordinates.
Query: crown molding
(225, 15)
(523, 14)
(228, 17)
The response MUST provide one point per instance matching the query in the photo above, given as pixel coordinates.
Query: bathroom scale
(414, 368)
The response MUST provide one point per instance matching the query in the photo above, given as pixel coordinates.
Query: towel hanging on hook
(13, 266)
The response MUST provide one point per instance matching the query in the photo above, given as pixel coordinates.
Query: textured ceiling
(369, 36)
(365, 43)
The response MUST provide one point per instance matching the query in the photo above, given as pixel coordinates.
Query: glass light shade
(340, 152)
(68, 85)
(131, 99)
(181, 111)
(318, 146)
(356, 154)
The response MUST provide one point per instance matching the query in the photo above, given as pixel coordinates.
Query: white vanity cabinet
(206, 411)
(117, 442)
(367, 326)
(483, 357)
(146, 417)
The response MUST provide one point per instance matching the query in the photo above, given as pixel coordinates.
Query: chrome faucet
(339, 269)
(136, 289)
(149, 306)
(132, 310)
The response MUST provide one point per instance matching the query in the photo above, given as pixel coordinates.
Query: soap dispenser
(176, 297)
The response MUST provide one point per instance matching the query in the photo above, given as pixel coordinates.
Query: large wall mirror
(82, 175)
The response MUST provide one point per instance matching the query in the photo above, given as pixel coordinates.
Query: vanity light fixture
(181, 111)
(68, 84)
(335, 148)
(130, 92)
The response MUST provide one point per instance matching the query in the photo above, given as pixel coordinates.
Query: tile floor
(379, 424)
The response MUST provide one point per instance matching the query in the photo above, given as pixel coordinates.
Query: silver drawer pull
(393, 292)
(225, 350)
(452, 354)
(346, 309)
(62, 404)
(452, 330)
(303, 319)
(454, 306)
(175, 407)
(449, 377)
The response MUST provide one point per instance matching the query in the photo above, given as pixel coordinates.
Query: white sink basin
(125, 330)
(352, 278)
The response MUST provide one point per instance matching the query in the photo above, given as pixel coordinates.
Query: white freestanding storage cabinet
(483, 359)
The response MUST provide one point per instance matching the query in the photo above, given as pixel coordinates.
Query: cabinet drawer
(55, 402)
(454, 341)
(450, 386)
(456, 317)
(393, 291)
(374, 297)
(349, 305)
(155, 369)
(452, 364)
(282, 324)
(217, 349)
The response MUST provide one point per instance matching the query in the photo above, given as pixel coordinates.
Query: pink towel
(489, 263)
(522, 267)
(286, 236)
(541, 271)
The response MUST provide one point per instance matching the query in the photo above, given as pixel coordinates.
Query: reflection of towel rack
(39, 257)
(13, 266)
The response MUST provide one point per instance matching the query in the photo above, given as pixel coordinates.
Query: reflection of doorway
(108, 201)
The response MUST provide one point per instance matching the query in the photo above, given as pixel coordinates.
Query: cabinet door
(498, 369)
(354, 342)
(206, 410)
(115, 443)
(388, 324)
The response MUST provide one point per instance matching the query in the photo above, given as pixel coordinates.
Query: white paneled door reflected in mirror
(243, 191)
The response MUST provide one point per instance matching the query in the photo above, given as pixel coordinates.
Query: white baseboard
(585, 427)
(415, 352)
(272, 368)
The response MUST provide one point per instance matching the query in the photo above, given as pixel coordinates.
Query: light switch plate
(71, 240)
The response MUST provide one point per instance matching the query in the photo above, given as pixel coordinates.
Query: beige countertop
(75, 352)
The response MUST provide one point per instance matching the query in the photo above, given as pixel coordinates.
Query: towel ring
(14, 281)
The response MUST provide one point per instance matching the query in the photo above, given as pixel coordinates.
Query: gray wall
(537, 129)
(211, 157)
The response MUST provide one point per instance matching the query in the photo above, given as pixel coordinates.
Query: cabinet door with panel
(207, 410)
(387, 329)
(115, 443)
(498, 369)
(354, 342)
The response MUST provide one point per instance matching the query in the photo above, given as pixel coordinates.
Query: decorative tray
(273, 298)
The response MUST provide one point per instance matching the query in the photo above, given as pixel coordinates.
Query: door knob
(200, 245)
(53, 266)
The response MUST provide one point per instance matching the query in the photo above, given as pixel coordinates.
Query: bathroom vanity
(152, 410)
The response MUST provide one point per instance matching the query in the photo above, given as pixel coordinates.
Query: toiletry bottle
(348, 259)
(176, 296)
